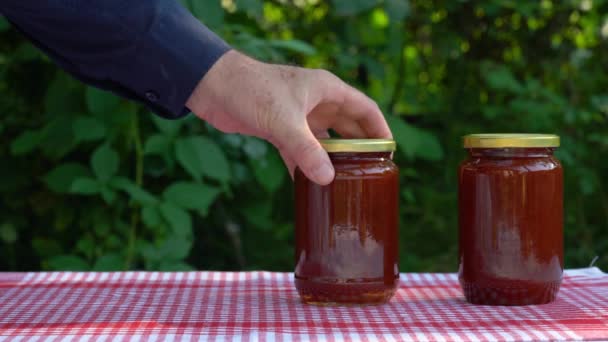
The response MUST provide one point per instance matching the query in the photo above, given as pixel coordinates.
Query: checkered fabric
(253, 306)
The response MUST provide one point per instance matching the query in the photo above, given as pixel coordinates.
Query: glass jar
(510, 218)
(347, 231)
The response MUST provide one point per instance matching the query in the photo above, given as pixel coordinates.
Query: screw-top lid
(358, 145)
(505, 140)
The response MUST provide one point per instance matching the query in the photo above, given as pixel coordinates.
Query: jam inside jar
(511, 219)
(347, 231)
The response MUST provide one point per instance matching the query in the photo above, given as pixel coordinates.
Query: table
(251, 306)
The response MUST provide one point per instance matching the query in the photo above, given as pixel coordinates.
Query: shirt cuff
(172, 56)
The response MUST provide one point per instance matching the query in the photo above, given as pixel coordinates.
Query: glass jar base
(515, 295)
(344, 293)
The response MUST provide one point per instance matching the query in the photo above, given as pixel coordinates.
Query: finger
(349, 129)
(300, 145)
(352, 104)
(366, 112)
(324, 116)
(323, 134)
(289, 163)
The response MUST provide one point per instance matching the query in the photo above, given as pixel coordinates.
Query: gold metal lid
(504, 140)
(358, 145)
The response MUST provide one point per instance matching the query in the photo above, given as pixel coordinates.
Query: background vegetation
(90, 181)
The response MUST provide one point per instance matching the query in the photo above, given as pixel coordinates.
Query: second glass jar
(347, 231)
(511, 218)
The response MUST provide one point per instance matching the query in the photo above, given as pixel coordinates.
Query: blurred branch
(139, 172)
(234, 232)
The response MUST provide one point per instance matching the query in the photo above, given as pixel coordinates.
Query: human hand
(288, 106)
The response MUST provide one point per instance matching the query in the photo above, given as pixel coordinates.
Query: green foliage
(88, 129)
(201, 156)
(68, 262)
(352, 7)
(100, 102)
(190, 195)
(8, 234)
(93, 182)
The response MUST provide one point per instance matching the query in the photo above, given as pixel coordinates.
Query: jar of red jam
(510, 217)
(347, 231)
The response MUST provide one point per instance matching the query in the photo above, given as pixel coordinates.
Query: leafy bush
(93, 182)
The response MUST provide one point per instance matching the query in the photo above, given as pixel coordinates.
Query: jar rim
(358, 145)
(505, 140)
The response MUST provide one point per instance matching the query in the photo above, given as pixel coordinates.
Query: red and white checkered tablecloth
(253, 306)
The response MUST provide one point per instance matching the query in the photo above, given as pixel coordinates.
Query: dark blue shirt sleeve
(152, 51)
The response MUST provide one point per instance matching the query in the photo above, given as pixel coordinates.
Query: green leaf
(101, 102)
(397, 9)
(499, 77)
(352, 7)
(4, 24)
(210, 13)
(175, 266)
(405, 136)
(46, 247)
(175, 248)
(587, 185)
(149, 252)
(179, 220)
(86, 246)
(492, 112)
(121, 118)
(233, 140)
(428, 147)
(8, 233)
(101, 228)
(113, 241)
(109, 262)
(68, 263)
(190, 195)
(136, 193)
(254, 148)
(88, 129)
(408, 195)
(157, 144)
(172, 250)
(150, 216)
(104, 162)
(26, 142)
(85, 186)
(58, 137)
(201, 156)
(294, 45)
(26, 52)
(600, 102)
(169, 127)
(108, 194)
(61, 178)
(63, 96)
(414, 142)
(158, 166)
(259, 214)
(269, 172)
(252, 7)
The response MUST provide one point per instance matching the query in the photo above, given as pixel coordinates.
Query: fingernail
(324, 174)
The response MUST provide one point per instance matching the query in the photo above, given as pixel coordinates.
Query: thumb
(304, 149)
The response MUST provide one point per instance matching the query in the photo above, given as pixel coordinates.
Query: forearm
(153, 51)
